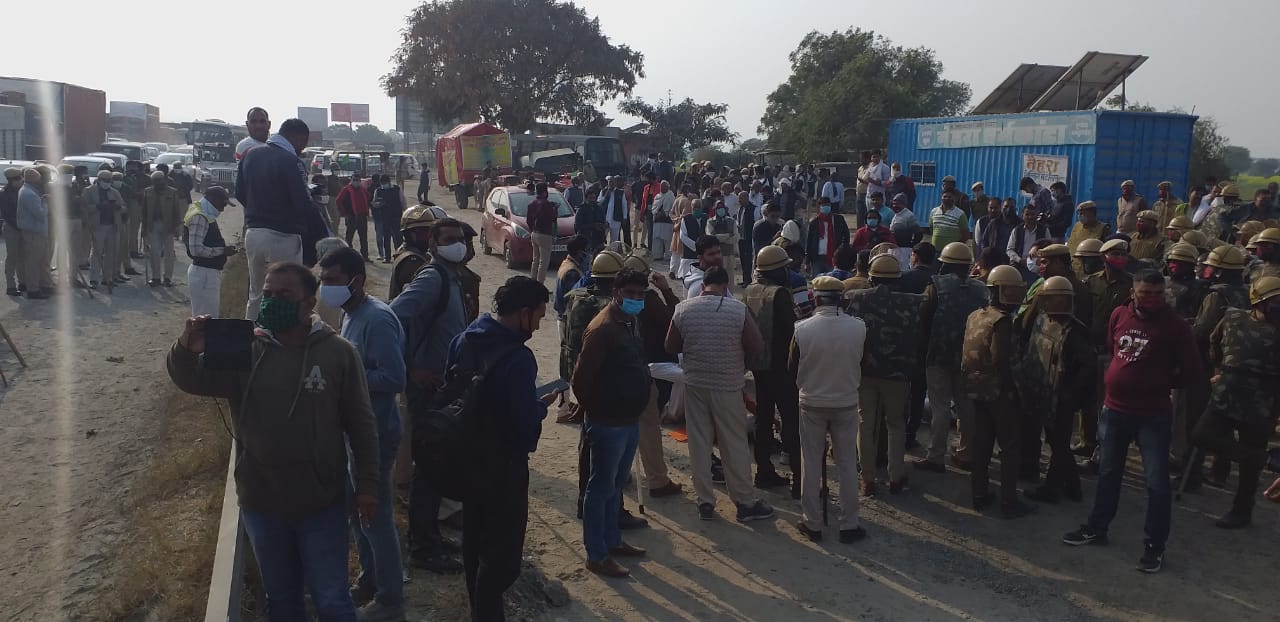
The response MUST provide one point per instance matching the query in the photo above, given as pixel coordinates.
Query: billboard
(317, 119)
(349, 113)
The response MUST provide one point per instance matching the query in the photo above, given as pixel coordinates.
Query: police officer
(1057, 371)
(128, 223)
(1177, 226)
(1182, 289)
(1087, 227)
(1225, 273)
(1245, 352)
(1268, 243)
(890, 353)
(948, 300)
(1149, 244)
(1109, 288)
(134, 184)
(1218, 222)
(415, 235)
(770, 302)
(986, 367)
(1086, 259)
(102, 212)
(161, 219)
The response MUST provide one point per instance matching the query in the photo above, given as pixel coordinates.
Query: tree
(677, 128)
(752, 145)
(845, 88)
(1264, 167)
(510, 62)
(339, 132)
(1238, 159)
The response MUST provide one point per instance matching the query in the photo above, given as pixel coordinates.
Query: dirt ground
(80, 422)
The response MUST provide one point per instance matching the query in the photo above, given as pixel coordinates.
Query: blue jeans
(612, 450)
(1116, 431)
(378, 545)
(311, 549)
(377, 235)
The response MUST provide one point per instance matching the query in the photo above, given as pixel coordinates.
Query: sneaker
(378, 612)
(439, 564)
(717, 474)
(1152, 560)
(814, 535)
(1084, 535)
(706, 511)
(767, 479)
(627, 520)
(759, 511)
(849, 536)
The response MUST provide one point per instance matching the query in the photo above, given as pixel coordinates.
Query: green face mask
(277, 314)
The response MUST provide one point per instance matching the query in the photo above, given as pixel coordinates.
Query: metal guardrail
(227, 580)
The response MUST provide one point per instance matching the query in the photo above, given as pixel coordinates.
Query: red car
(504, 226)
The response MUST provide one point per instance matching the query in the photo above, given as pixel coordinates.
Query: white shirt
(834, 191)
(663, 203)
(1202, 211)
(879, 176)
(730, 203)
(904, 219)
(1019, 249)
(606, 196)
(246, 144)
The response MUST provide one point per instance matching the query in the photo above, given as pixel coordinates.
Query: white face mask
(334, 295)
(1032, 265)
(453, 253)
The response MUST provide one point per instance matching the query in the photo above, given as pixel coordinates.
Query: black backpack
(451, 437)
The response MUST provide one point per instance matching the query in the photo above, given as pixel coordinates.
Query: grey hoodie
(293, 416)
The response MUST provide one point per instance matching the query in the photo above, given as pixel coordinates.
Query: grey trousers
(842, 425)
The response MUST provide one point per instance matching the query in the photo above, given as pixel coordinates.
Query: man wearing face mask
(827, 232)
(1148, 245)
(1244, 352)
(1053, 260)
(771, 305)
(724, 228)
(415, 233)
(432, 311)
(1151, 352)
(692, 228)
(33, 221)
(1166, 204)
(292, 473)
(1224, 272)
(1087, 258)
(1058, 218)
(127, 224)
(1023, 237)
(373, 329)
(271, 184)
(873, 233)
(162, 217)
(13, 274)
(102, 207)
(134, 185)
(611, 381)
(208, 251)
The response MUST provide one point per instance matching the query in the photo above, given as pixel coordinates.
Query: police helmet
(607, 265)
(885, 266)
(636, 263)
(771, 258)
(1226, 257)
(1056, 286)
(1010, 286)
(1183, 252)
(882, 248)
(417, 217)
(1268, 236)
(1180, 223)
(1197, 239)
(1264, 289)
(956, 253)
(1091, 247)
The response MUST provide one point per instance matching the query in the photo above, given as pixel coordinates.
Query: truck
(466, 150)
(77, 115)
(13, 141)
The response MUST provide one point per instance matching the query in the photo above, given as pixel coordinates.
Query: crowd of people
(836, 338)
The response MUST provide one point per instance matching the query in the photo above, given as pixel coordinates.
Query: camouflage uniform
(1261, 269)
(1055, 377)
(581, 306)
(987, 368)
(773, 309)
(1217, 223)
(948, 301)
(1245, 353)
(891, 352)
(1221, 297)
(1107, 290)
(1030, 309)
(1185, 296)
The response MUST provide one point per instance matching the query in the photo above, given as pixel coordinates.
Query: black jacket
(271, 184)
(842, 236)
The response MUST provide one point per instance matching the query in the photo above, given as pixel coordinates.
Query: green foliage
(363, 134)
(1248, 184)
(846, 87)
(510, 62)
(1237, 158)
(677, 128)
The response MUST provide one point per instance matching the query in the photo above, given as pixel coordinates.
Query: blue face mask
(826, 209)
(873, 223)
(631, 306)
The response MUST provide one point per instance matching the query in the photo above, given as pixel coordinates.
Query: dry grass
(163, 563)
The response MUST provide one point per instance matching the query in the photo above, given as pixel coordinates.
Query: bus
(214, 133)
(604, 152)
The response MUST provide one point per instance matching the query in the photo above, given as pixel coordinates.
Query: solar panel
(1023, 87)
(1088, 82)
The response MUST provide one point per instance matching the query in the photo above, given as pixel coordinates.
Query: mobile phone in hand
(228, 344)
(558, 386)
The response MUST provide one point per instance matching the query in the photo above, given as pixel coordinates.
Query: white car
(118, 160)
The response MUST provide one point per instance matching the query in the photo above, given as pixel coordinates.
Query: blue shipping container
(1099, 149)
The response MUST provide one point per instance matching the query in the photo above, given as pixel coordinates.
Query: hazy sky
(320, 51)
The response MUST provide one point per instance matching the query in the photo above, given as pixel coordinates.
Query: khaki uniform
(1245, 353)
(1261, 269)
(1149, 247)
(161, 218)
(1127, 213)
(948, 302)
(102, 213)
(890, 356)
(986, 367)
(1080, 233)
(772, 307)
(406, 262)
(1167, 210)
(470, 292)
